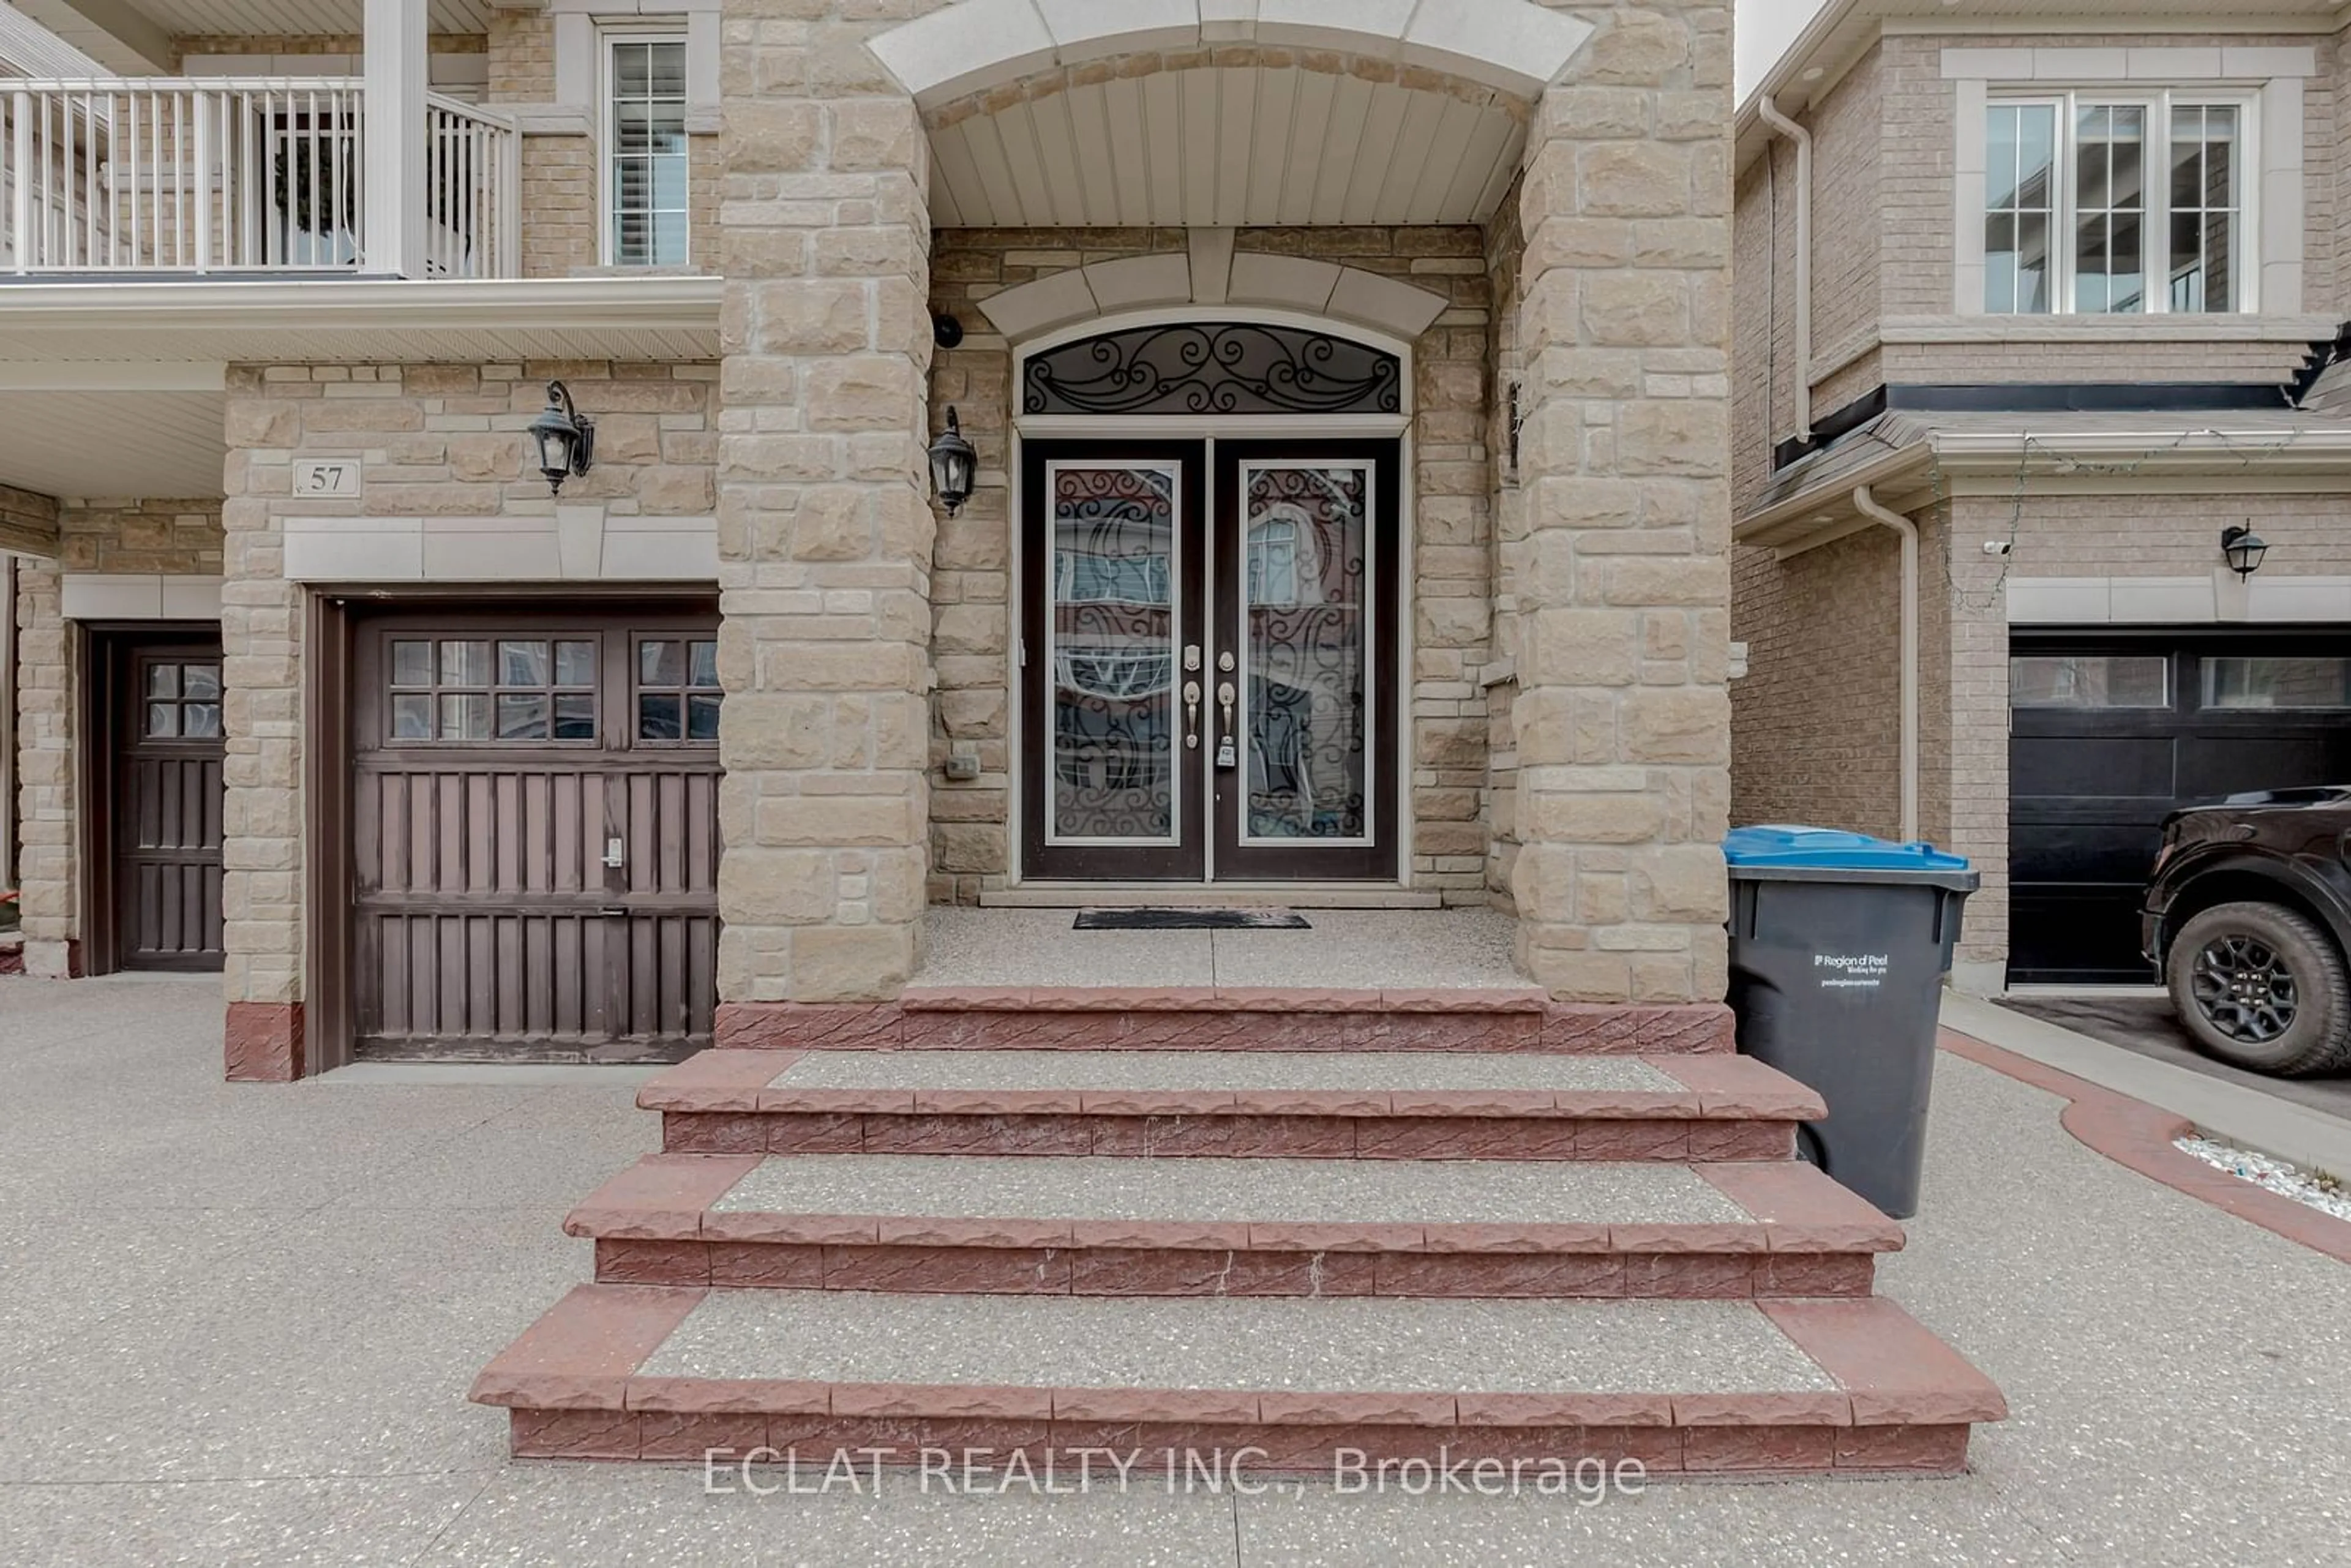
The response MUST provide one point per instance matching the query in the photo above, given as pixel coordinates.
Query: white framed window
(2106, 203)
(643, 139)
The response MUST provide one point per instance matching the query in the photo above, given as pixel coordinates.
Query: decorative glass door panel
(1114, 595)
(1208, 669)
(1307, 606)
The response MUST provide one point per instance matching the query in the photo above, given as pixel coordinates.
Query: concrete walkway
(237, 1322)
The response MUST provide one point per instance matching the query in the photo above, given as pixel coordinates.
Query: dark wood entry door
(167, 803)
(1208, 660)
(535, 819)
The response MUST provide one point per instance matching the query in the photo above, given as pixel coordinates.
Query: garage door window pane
(521, 718)
(657, 717)
(202, 682)
(522, 664)
(706, 663)
(201, 721)
(661, 664)
(162, 721)
(701, 719)
(411, 716)
(575, 664)
(575, 717)
(411, 664)
(465, 663)
(465, 717)
(2277, 682)
(2089, 681)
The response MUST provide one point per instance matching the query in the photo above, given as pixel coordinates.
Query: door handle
(1192, 715)
(1226, 697)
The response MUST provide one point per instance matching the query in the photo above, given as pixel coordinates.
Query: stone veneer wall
(169, 538)
(433, 440)
(560, 201)
(1622, 718)
(825, 525)
(1450, 532)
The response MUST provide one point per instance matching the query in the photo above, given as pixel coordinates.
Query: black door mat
(1190, 920)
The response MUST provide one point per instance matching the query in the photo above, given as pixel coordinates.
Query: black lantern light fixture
(2244, 549)
(565, 441)
(954, 465)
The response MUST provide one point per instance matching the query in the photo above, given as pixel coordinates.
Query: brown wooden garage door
(535, 834)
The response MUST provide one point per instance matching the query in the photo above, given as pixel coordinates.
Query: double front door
(1208, 660)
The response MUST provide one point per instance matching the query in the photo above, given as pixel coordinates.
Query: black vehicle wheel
(2262, 988)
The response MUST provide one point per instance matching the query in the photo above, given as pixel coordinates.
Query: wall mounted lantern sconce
(954, 465)
(2244, 549)
(565, 440)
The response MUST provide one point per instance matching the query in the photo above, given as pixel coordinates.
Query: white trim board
(576, 544)
(2219, 599)
(138, 596)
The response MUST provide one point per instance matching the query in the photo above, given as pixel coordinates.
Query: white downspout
(1769, 113)
(1865, 503)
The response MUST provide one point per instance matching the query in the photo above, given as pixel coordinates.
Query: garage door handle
(615, 909)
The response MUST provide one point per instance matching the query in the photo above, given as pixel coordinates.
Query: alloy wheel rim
(2244, 989)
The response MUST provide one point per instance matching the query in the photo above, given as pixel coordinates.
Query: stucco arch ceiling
(1201, 113)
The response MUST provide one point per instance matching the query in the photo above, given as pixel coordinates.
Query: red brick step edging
(655, 1224)
(1727, 1108)
(1902, 1403)
(1208, 1018)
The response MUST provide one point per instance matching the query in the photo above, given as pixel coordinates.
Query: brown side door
(167, 797)
(535, 835)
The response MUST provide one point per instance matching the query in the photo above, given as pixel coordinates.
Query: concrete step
(1280, 1384)
(1301, 1104)
(1088, 1225)
(1226, 1018)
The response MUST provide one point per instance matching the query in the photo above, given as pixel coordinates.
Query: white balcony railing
(472, 192)
(227, 174)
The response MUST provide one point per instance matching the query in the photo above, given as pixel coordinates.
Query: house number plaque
(327, 477)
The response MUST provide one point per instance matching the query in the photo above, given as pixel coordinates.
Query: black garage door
(2108, 733)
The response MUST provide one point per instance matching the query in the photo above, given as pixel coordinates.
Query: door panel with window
(1208, 660)
(535, 835)
(2109, 734)
(167, 829)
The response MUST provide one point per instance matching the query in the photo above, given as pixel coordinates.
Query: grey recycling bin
(1839, 944)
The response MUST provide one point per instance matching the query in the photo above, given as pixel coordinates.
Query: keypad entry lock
(1228, 745)
(614, 855)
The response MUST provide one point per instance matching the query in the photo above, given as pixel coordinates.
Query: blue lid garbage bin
(1839, 944)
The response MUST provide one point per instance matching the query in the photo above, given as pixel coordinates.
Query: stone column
(825, 527)
(1622, 715)
(49, 790)
(263, 920)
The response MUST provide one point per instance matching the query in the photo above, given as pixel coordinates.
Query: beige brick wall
(48, 687)
(560, 174)
(1884, 245)
(1452, 593)
(433, 440)
(179, 538)
(1815, 722)
(1505, 273)
(28, 522)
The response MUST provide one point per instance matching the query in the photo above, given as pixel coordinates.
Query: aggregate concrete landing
(1202, 1342)
(1433, 1192)
(328, 1261)
(1343, 949)
(1367, 1070)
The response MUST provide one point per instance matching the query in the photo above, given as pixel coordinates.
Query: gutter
(1864, 501)
(1770, 112)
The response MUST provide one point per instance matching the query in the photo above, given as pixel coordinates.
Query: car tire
(2262, 987)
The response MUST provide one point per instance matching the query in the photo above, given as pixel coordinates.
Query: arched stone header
(1515, 46)
(1209, 272)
